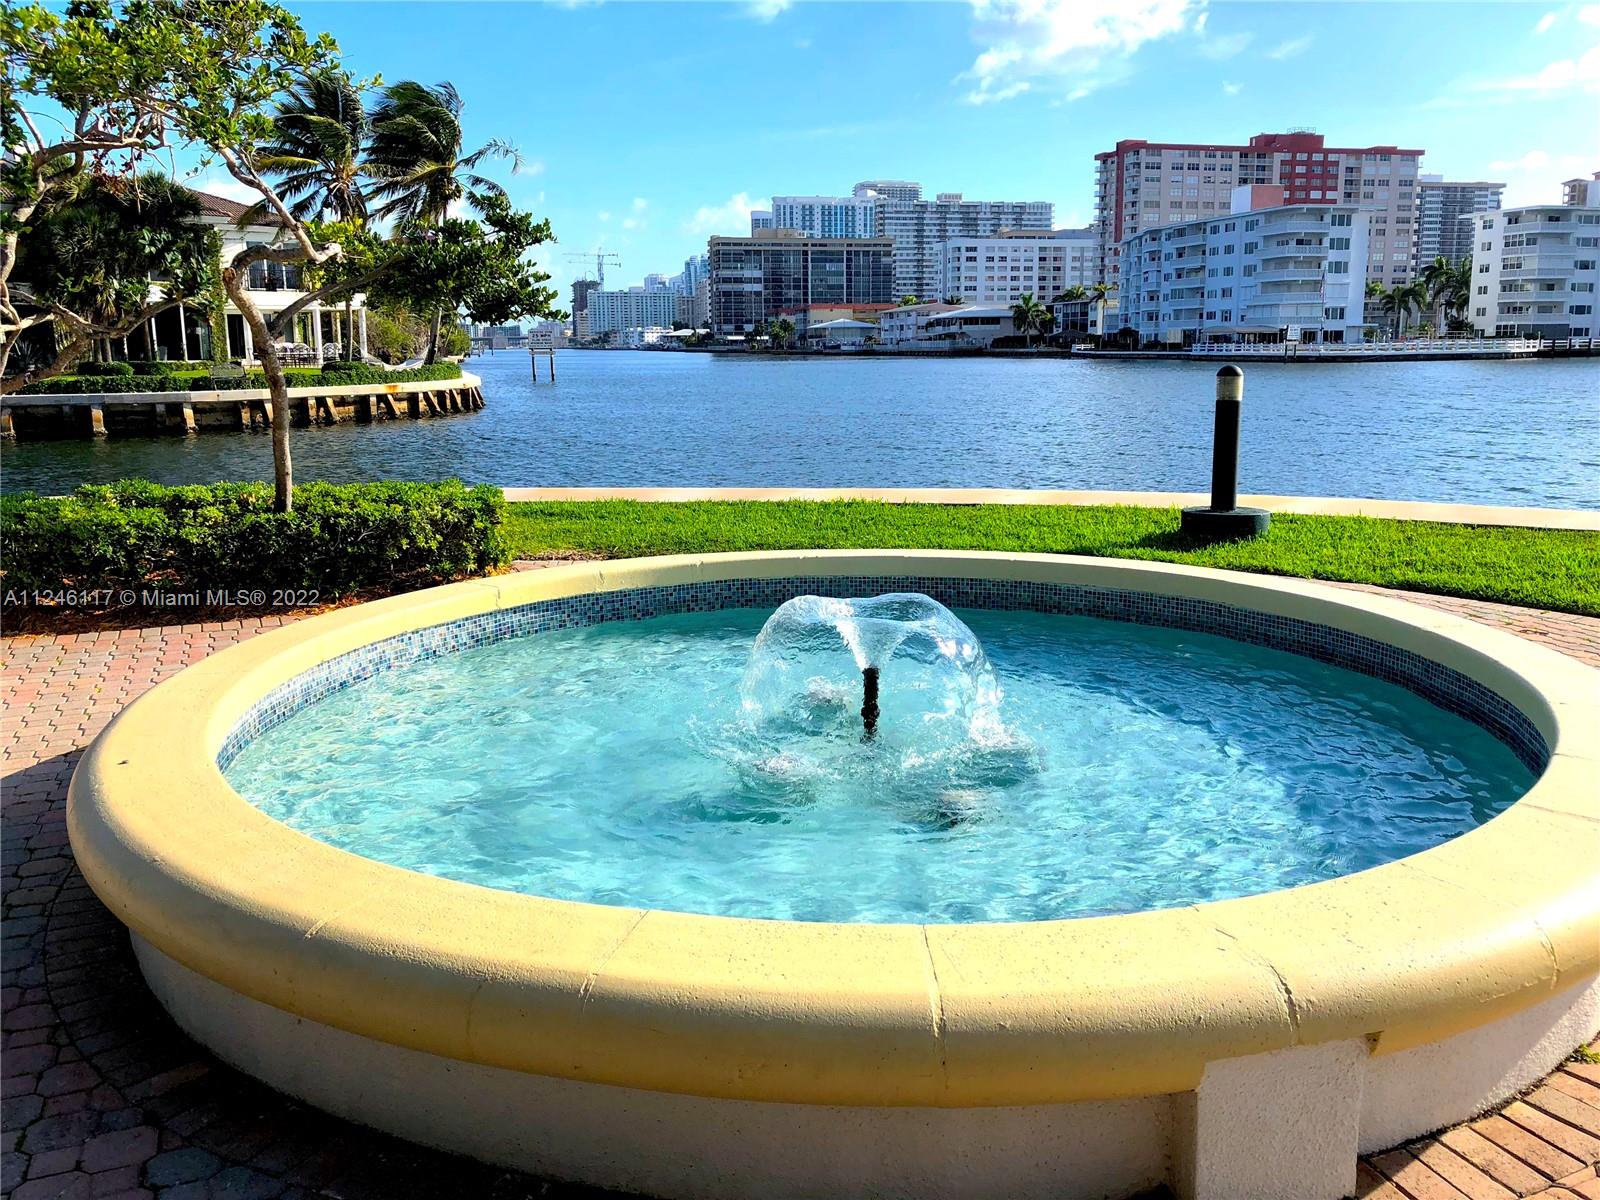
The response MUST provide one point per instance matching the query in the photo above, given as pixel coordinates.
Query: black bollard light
(1223, 520)
(869, 703)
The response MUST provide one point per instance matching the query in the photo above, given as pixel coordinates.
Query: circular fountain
(904, 873)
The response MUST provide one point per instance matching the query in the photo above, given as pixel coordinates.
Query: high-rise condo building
(920, 228)
(634, 308)
(1534, 270)
(826, 216)
(888, 189)
(581, 291)
(1140, 185)
(1003, 269)
(760, 220)
(1441, 205)
(753, 279)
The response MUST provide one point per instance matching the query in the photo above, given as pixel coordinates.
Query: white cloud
(602, 216)
(1564, 75)
(1226, 46)
(1589, 14)
(1069, 47)
(640, 204)
(1291, 47)
(766, 10)
(1232, 89)
(732, 217)
(802, 43)
(530, 166)
(1535, 178)
(1545, 22)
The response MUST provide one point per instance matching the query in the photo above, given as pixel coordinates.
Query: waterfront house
(184, 334)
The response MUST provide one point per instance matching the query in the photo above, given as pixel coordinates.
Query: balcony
(1312, 270)
(1543, 269)
(1298, 296)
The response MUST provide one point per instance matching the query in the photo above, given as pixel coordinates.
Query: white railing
(1417, 346)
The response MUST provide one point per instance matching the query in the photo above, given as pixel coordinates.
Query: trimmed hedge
(340, 538)
(341, 373)
(105, 368)
(179, 379)
(161, 366)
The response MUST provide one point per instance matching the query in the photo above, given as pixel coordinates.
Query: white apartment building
(888, 189)
(1441, 205)
(633, 308)
(920, 228)
(1266, 272)
(1140, 185)
(1003, 269)
(827, 216)
(760, 220)
(1534, 272)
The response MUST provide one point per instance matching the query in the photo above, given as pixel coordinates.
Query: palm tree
(318, 135)
(1031, 317)
(782, 332)
(417, 159)
(907, 300)
(1449, 288)
(1399, 301)
(1076, 292)
(1434, 278)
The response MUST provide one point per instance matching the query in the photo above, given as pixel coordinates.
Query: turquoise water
(1132, 768)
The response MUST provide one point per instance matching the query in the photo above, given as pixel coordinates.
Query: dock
(108, 414)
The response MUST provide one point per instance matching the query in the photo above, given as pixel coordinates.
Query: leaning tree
(185, 74)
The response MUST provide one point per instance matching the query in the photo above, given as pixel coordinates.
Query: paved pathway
(104, 1098)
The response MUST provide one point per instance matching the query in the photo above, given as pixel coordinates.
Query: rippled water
(608, 764)
(1523, 433)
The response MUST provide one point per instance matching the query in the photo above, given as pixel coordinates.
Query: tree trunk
(277, 384)
(433, 337)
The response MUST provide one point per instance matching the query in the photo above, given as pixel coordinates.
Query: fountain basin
(695, 1055)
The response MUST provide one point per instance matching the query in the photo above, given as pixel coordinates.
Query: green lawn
(1540, 568)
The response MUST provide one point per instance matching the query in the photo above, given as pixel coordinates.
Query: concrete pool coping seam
(1416, 951)
(1578, 519)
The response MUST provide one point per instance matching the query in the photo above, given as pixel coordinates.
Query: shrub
(164, 366)
(178, 380)
(342, 373)
(339, 539)
(105, 368)
(64, 385)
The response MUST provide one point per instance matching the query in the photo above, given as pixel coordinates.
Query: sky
(645, 127)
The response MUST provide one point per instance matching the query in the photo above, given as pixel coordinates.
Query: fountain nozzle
(869, 703)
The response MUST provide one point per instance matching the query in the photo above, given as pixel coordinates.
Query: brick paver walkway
(104, 1099)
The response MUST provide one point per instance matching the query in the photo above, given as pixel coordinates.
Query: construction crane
(601, 257)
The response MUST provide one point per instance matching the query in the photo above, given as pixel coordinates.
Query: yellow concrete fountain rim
(850, 1014)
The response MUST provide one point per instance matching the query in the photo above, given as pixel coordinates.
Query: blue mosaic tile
(1440, 685)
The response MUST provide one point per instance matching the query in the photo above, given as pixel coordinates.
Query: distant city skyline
(647, 127)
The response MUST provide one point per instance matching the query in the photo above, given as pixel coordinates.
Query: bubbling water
(893, 689)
